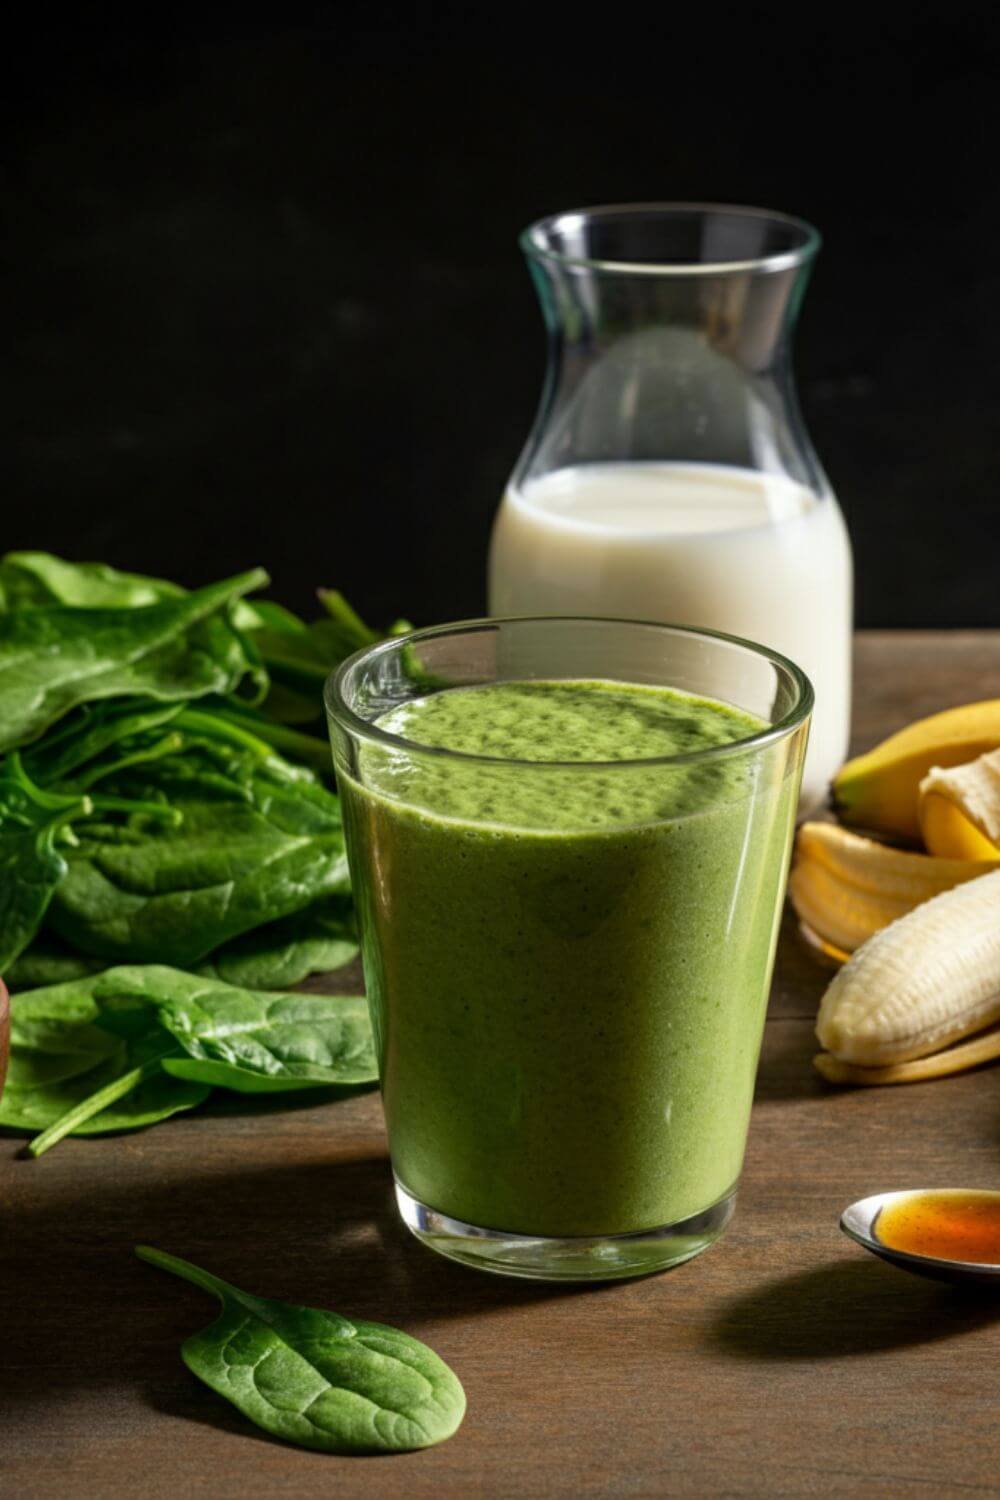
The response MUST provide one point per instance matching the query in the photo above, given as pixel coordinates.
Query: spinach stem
(338, 609)
(167, 746)
(184, 1269)
(172, 815)
(221, 727)
(308, 746)
(87, 1108)
(51, 801)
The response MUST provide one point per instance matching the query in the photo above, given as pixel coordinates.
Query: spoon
(945, 1220)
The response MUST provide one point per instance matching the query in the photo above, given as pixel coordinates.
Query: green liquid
(568, 964)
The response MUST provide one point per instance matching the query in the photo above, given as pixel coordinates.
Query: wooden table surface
(784, 1361)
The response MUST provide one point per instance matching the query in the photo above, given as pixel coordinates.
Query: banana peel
(971, 1053)
(846, 887)
(959, 809)
(880, 790)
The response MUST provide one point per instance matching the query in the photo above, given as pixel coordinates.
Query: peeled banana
(960, 809)
(845, 887)
(881, 790)
(921, 984)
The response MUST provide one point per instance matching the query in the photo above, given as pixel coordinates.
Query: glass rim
(340, 710)
(532, 241)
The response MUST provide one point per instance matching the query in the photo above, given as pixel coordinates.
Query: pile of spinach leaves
(164, 792)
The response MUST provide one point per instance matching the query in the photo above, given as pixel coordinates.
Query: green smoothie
(567, 962)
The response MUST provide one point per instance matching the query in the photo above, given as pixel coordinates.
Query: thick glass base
(578, 1258)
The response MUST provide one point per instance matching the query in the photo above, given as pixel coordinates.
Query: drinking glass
(567, 1014)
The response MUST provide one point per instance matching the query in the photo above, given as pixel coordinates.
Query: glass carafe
(668, 475)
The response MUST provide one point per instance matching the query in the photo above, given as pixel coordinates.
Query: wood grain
(782, 1362)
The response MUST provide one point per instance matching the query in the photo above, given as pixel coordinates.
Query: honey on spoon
(949, 1233)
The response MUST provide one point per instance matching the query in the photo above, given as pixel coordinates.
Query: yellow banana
(921, 984)
(960, 809)
(880, 789)
(845, 887)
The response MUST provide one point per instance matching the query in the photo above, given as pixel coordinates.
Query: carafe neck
(665, 359)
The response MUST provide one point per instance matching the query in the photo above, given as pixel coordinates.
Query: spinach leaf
(243, 1040)
(257, 840)
(243, 732)
(32, 578)
(68, 1073)
(133, 1045)
(317, 1379)
(48, 962)
(54, 658)
(305, 659)
(89, 731)
(307, 749)
(54, 1037)
(283, 953)
(299, 655)
(290, 705)
(133, 1099)
(299, 660)
(264, 614)
(31, 866)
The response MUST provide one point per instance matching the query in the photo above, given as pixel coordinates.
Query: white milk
(753, 554)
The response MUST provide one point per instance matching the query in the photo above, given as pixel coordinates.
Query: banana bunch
(917, 929)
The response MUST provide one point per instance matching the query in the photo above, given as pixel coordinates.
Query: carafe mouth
(672, 239)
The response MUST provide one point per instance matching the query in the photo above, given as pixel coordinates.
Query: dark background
(267, 303)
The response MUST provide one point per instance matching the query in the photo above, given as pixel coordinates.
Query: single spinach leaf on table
(54, 658)
(242, 1039)
(315, 1378)
(257, 840)
(279, 954)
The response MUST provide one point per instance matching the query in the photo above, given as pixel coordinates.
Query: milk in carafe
(750, 553)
